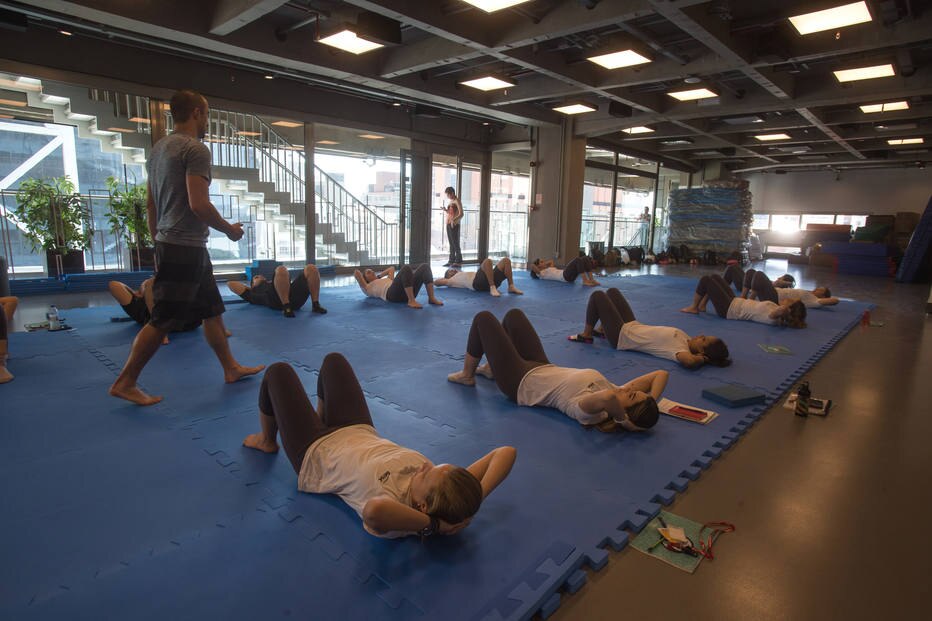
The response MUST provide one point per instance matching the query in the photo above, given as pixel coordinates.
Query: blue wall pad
(112, 503)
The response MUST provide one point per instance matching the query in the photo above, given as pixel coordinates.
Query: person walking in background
(454, 212)
(645, 230)
(179, 214)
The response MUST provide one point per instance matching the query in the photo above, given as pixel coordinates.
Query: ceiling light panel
(617, 60)
(488, 83)
(865, 73)
(347, 41)
(490, 6)
(885, 107)
(576, 108)
(899, 141)
(769, 137)
(371, 136)
(693, 94)
(287, 124)
(327, 142)
(830, 19)
(638, 130)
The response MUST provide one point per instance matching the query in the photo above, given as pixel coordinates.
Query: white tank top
(561, 388)
(378, 288)
(751, 310)
(356, 464)
(808, 298)
(552, 273)
(661, 341)
(461, 280)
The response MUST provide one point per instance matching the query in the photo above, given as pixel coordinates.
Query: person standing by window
(645, 230)
(454, 212)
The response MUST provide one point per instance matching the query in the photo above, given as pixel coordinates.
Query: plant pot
(72, 263)
(142, 259)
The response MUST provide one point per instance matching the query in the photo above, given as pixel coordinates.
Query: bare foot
(690, 309)
(436, 301)
(485, 371)
(414, 304)
(5, 375)
(258, 442)
(239, 372)
(165, 340)
(461, 378)
(495, 293)
(515, 290)
(228, 333)
(133, 394)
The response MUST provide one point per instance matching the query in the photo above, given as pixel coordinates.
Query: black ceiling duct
(13, 21)
(379, 28)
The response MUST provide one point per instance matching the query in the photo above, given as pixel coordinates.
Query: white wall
(857, 192)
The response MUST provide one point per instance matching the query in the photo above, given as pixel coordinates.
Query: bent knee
(281, 269)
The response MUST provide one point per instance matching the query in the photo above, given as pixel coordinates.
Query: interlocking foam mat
(154, 513)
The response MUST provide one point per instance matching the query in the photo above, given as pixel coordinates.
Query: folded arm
(492, 469)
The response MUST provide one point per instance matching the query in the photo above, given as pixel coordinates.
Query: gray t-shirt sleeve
(197, 161)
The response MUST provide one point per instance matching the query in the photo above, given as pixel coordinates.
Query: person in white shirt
(755, 285)
(336, 450)
(546, 269)
(479, 281)
(788, 313)
(401, 288)
(524, 374)
(621, 328)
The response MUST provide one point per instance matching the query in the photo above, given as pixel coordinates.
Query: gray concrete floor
(830, 513)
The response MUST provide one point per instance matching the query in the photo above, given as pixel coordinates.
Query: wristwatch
(431, 528)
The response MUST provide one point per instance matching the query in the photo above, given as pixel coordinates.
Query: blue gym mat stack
(155, 513)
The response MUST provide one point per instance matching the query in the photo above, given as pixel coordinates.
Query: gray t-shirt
(172, 159)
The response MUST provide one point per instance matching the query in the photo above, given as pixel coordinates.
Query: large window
(596, 207)
(508, 205)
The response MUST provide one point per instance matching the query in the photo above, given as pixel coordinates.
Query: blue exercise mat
(112, 503)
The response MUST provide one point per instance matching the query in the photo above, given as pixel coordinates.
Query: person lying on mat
(479, 281)
(5, 303)
(620, 327)
(547, 270)
(137, 304)
(400, 288)
(728, 306)
(283, 294)
(755, 284)
(335, 449)
(524, 374)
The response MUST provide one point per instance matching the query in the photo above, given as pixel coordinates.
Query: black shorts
(137, 310)
(264, 294)
(184, 290)
(481, 283)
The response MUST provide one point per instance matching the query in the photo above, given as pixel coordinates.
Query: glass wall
(596, 208)
(634, 194)
(509, 201)
(444, 171)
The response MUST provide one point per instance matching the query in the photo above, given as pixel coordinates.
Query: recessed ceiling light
(490, 6)
(121, 130)
(616, 60)
(885, 107)
(269, 76)
(371, 136)
(576, 108)
(248, 134)
(396, 104)
(485, 122)
(347, 41)
(676, 141)
(693, 94)
(638, 130)
(67, 33)
(327, 142)
(865, 73)
(13, 102)
(139, 119)
(837, 17)
(766, 137)
(899, 141)
(287, 124)
(487, 83)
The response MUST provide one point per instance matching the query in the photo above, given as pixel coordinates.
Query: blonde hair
(457, 497)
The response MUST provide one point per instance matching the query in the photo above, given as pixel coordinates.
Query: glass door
(404, 209)
(465, 177)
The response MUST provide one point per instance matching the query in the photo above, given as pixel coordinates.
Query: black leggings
(575, 267)
(612, 309)
(2, 323)
(752, 280)
(734, 275)
(453, 235)
(718, 291)
(407, 277)
(342, 404)
(512, 348)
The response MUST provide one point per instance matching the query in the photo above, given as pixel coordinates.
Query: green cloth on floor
(646, 540)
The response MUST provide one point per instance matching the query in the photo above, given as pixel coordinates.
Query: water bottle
(802, 400)
(52, 316)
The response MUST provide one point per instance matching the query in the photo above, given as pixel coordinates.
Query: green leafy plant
(55, 218)
(127, 216)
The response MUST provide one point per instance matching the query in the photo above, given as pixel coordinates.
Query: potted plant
(127, 219)
(55, 219)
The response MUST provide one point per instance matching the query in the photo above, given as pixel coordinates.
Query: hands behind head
(445, 528)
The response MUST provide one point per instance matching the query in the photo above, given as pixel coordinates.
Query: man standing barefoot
(179, 213)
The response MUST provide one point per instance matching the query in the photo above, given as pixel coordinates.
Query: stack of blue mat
(160, 511)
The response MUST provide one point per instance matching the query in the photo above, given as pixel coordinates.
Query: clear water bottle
(802, 400)
(52, 316)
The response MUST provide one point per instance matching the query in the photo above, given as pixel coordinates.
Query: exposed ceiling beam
(229, 15)
(898, 162)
